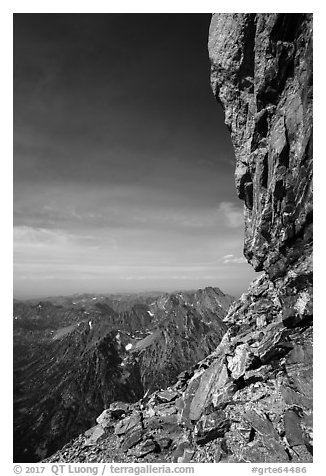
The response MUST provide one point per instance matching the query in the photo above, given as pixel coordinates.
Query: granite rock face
(250, 400)
(262, 75)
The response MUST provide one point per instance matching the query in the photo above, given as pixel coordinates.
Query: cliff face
(262, 74)
(251, 399)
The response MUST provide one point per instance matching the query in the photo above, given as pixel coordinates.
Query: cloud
(226, 259)
(232, 213)
(28, 236)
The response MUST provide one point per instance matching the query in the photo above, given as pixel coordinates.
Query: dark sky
(123, 167)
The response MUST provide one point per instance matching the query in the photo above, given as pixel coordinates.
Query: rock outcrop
(251, 399)
(262, 75)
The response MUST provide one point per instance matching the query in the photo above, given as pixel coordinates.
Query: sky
(123, 167)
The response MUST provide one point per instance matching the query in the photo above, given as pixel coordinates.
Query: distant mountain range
(74, 356)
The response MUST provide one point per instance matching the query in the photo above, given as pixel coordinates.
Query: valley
(74, 356)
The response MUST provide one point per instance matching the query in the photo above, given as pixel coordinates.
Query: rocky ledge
(251, 399)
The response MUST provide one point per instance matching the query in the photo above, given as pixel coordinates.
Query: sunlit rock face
(262, 75)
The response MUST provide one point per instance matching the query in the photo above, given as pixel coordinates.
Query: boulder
(210, 427)
(292, 428)
(183, 450)
(297, 308)
(187, 456)
(292, 397)
(165, 410)
(179, 404)
(167, 395)
(187, 401)
(152, 423)
(261, 423)
(144, 448)
(105, 419)
(129, 423)
(212, 383)
(93, 435)
(240, 360)
(118, 409)
(275, 343)
(133, 437)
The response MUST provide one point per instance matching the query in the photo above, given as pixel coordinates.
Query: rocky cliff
(251, 399)
(262, 74)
